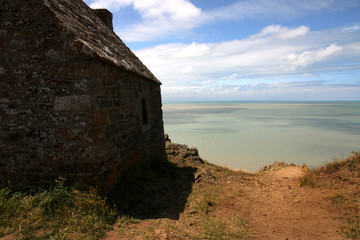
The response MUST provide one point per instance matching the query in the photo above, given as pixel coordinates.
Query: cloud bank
(275, 50)
(231, 67)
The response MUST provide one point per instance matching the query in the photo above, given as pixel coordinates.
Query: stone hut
(75, 102)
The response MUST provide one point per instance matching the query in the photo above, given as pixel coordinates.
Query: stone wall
(64, 113)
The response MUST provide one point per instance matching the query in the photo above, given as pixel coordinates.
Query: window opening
(145, 116)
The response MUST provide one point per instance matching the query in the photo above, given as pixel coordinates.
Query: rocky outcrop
(181, 152)
(277, 166)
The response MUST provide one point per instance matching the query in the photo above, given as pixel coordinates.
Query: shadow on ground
(151, 191)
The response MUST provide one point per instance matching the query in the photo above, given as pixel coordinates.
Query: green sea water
(249, 135)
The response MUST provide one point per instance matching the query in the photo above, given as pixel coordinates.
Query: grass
(211, 226)
(58, 213)
(215, 228)
(350, 203)
(147, 190)
(126, 220)
(343, 177)
(352, 227)
(203, 201)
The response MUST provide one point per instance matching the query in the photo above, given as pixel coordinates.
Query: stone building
(75, 102)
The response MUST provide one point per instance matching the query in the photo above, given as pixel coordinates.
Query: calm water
(250, 135)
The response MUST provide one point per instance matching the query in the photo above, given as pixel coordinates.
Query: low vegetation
(177, 199)
(343, 177)
(58, 213)
(159, 196)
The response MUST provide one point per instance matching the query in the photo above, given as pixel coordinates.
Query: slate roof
(98, 39)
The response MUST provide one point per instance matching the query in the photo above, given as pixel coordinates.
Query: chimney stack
(106, 16)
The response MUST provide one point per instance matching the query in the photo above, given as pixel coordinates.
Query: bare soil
(271, 203)
(278, 208)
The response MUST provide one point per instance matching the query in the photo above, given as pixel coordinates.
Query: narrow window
(145, 116)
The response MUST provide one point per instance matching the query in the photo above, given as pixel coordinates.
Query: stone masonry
(75, 102)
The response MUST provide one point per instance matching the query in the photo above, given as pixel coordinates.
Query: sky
(245, 50)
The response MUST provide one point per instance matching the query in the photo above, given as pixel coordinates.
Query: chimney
(106, 16)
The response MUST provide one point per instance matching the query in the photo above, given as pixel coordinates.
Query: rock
(167, 139)
(167, 145)
(194, 151)
(181, 152)
(197, 176)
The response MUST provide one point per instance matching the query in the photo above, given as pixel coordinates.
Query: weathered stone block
(72, 103)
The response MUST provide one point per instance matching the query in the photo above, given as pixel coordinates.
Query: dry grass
(343, 177)
(309, 179)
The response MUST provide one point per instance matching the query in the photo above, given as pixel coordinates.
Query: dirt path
(272, 204)
(276, 207)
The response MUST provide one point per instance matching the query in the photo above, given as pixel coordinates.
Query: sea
(250, 135)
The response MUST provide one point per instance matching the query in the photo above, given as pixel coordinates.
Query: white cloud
(291, 91)
(353, 48)
(306, 75)
(188, 69)
(228, 69)
(283, 32)
(110, 4)
(353, 28)
(262, 9)
(164, 18)
(158, 17)
(292, 61)
(263, 54)
(177, 10)
(233, 76)
(193, 50)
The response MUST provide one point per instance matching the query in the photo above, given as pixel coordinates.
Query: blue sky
(212, 50)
